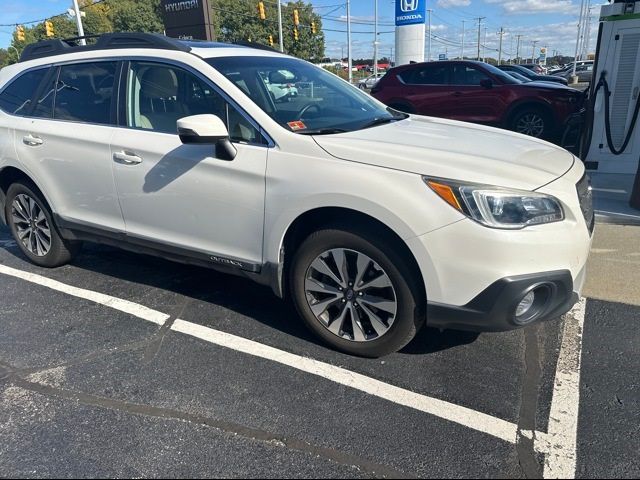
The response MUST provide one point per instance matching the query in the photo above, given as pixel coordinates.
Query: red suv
(478, 92)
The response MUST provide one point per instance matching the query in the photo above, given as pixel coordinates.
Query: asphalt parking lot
(122, 365)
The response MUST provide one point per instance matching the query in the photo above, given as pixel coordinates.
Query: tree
(238, 21)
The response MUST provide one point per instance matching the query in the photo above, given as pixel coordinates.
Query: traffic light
(271, 40)
(261, 12)
(313, 27)
(48, 28)
(20, 33)
(295, 34)
(296, 18)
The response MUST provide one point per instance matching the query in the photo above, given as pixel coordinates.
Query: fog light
(525, 304)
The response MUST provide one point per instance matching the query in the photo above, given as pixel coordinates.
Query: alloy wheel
(531, 124)
(351, 295)
(31, 225)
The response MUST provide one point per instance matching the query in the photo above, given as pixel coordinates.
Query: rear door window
(426, 75)
(84, 92)
(17, 98)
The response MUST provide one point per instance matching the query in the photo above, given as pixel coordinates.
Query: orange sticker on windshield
(297, 125)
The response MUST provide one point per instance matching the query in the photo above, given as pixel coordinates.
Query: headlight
(497, 207)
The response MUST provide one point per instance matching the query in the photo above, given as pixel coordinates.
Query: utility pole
(518, 48)
(501, 33)
(587, 40)
(484, 45)
(462, 50)
(479, 31)
(79, 22)
(429, 38)
(533, 51)
(349, 61)
(575, 58)
(280, 26)
(375, 41)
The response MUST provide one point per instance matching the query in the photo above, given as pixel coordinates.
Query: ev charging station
(613, 140)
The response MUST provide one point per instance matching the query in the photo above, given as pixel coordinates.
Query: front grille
(585, 196)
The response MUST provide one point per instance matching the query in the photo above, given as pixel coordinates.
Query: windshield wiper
(321, 131)
(380, 121)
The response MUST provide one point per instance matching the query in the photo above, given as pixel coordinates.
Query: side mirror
(486, 83)
(206, 129)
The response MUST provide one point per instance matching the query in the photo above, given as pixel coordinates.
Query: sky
(553, 23)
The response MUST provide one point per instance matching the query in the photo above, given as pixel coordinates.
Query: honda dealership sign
(410, 12)
(188, 19)
(410, 20)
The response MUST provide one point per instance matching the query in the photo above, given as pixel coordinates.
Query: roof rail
(107, 41)
(258, 46)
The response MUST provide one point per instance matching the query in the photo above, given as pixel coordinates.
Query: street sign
(410, 12)
(442, 56)
(542, 59)
(187, 19)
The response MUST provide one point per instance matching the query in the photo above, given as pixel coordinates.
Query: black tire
(533, 114)
(410, 314)
(61, 251)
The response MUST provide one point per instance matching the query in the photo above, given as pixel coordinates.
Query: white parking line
(481, 422)
(112, 302)
(560, 443)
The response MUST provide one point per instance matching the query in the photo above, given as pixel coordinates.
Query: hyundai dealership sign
(410, 12)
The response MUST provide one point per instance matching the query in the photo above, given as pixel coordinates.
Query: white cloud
(523, 7)
(453, 3)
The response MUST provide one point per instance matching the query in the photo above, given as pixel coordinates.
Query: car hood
(455, 150)
(550, 85)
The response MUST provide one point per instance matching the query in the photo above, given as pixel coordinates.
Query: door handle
(32, 141)
(127, 158)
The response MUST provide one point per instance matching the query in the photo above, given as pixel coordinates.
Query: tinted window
(84, 92)
(43, 107)
(159, 95)
(465, 75)
(426, 75)
(16, 98)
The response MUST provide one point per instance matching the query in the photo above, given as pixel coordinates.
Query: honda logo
(409, 5)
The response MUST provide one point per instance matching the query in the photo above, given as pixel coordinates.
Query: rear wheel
(31, 224)
(356, 292)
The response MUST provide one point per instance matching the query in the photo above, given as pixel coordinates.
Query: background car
(530, 74)
(480, 93)
(369, 82)
(584, 73)
(534, 67)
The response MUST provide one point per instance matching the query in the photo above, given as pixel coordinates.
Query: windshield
(301, 97)
(504, 76)
(520, 77)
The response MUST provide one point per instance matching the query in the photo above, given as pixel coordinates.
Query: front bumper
(494, 310)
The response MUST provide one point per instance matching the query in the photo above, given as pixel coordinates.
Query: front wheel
(356, 292)
(533, 122)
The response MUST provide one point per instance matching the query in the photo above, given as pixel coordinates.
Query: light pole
(533, 51)
(429, 38)
(349, 41)
(479, 31)
(575, 58)
(462, 49)
(375, 41)
(280, 26)
(79, 22)
(518, 48)
(501, 33)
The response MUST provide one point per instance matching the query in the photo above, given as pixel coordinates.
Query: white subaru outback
(372, 221)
